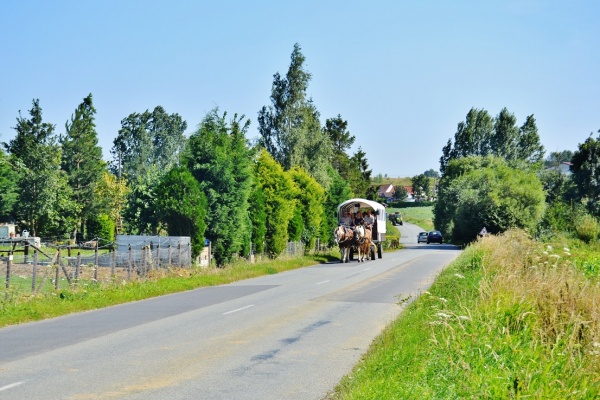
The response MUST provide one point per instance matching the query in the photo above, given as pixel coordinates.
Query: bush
(587, 228)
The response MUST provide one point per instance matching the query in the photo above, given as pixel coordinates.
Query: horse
(363, 243)
(344, 237)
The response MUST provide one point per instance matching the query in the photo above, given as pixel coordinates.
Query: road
(292, 335)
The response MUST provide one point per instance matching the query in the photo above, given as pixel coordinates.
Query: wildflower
(459, 276)
(545, 252)
(442, 315)
(566, 249)
(443, 299)
(596, 344)
(464, 318)
(549, 248)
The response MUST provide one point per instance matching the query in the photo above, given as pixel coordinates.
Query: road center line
(366, 269)
(322, 282)
(238, 309)
(12, 385)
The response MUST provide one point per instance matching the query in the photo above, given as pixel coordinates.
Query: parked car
(435, 237)
(422, 237)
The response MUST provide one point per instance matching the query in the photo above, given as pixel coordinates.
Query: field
(421, 216)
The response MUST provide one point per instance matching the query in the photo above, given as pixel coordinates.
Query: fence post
(114, 264)
(77, 267)
(129, 264)
(57, 268)
(34, 274)
(8, 268)
(96, 262)
(169, 256)
(158, 255)
(179, 253)
(144, 261)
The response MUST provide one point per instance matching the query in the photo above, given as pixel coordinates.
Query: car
(435, 237)
(422, 237)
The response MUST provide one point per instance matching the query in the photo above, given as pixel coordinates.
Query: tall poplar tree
(82, 161)
(289, 128)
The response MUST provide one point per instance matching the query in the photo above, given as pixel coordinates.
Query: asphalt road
(292, 335)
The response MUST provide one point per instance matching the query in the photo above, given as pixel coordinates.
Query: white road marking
(239, 309)
(322, 282)
(366, 269)
(12, 385)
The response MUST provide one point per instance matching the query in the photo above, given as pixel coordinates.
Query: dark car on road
(435, 237)
(422, 237)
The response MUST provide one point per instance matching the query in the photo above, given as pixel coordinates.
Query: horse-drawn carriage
(361, 238)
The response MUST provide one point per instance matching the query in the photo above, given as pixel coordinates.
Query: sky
(402, 73)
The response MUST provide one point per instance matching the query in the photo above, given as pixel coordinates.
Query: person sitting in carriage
(369, 220)
(346, 219)
(358, 219)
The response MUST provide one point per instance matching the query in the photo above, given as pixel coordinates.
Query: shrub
(587, 228)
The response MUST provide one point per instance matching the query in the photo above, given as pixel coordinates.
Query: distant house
(564, 168)
(410, 195)
(386, 191)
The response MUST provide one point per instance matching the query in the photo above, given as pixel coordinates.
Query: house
(410, 195)
(386, 191)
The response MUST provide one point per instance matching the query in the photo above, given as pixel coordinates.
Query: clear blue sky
(402, 73)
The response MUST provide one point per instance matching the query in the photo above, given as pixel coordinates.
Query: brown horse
(363, 243)
(344, 237)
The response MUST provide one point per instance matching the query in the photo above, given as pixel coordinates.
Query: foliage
(421, 187)
(82, 160)
(148, 139)
(44, 206)
(481, 192)
(182, 207)
(586, 174)
(360, 176)
(310, 199)
(480, 135)
(220, 160)
(289, 128)
(258, 217)
(587, 228)
(400, 193)
(280, 194)
(101, 226)
(338, 192)
(9, 190)
(112, 195)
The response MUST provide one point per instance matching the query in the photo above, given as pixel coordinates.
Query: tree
(148, 139)
(479, 192)
(258, 217)
(9, 190)
(220, 160)
(400, 193)
(147, 146)
(431, 173)
(182, 206)
(336, 129)
(44, 205)
(481, 135)
(586, 173)
(82, 161)
(310, 198)
(360, 175)
(421, 187)
(289, 128)
(112, 193)
(338, 192)
(280, 203)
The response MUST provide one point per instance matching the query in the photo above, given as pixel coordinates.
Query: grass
(511, 318)
(421, 216)
(19, 307)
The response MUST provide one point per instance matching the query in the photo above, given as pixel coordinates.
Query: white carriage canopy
(353, 205)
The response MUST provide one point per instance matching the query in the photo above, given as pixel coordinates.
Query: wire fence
(27, 268)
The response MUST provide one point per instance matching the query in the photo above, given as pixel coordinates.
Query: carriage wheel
(372, 252)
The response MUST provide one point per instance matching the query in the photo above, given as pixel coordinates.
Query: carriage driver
(346, 220)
